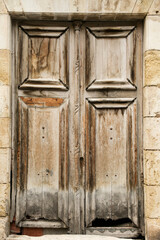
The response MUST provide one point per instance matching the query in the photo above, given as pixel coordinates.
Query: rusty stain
(44, 102)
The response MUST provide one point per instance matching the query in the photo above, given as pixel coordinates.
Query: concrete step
(65, 237)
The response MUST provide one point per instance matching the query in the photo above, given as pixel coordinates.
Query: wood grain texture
(44, 57)
(43, 160)
(106, 167)
(81, 152)
(110, 58)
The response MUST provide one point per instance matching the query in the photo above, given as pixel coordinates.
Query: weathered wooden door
(78, 156)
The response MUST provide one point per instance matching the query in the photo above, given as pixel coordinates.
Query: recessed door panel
(43, 160)
(111, 155)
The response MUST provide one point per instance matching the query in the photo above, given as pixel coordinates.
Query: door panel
(111, 154)
(113, 129)
(44, 57)
(43, 160)
(110, 57)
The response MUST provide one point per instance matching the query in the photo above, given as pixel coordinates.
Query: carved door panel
(78, 156)
(113, 129)
(42, 160)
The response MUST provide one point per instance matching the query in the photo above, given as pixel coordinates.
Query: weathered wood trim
(122, 232)
(42, 224)
(111, 102)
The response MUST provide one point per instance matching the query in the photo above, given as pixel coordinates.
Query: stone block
(4, 228)
(152, 68)
(5, 101)
(142, 6)
(5, 132)
(151, 133)
(152, 201)
(155, 8)
(151, 101)
(5, 162)
(4, 200)
(152, 167)
(5, 67)
(3, 8)
(151, 35)
(5, 36)
(152, 229)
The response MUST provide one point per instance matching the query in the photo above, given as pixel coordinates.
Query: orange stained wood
(44, 102)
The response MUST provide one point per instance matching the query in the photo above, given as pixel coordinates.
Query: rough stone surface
(5, 36)
(65, 237)
(26, 8)
(151, 101)
(4, 101)
(5, 132)
(4, 67)
(153, 229)
(3, 7)
(151, 134)
(152, 201)
(4, 228)
(151, 35)
(5, 165)
(152, 68)
(152, 167)
(155, 8)
(4, 200)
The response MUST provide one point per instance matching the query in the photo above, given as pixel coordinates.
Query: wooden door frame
(81, 227)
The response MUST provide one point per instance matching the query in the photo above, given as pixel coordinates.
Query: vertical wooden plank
(131, 57)
(43, 163)
(75, 192)
(90, 164)
(23, 58)
(132, 163)
(14, 121)
(63, 58)
(82, 126)
(63, 165)
(111, 192)
(22, 158)
(35, 165)
(90, 58)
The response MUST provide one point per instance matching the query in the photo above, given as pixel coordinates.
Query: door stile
(76, 193)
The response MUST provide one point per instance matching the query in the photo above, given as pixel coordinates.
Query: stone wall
(151, 126)
(5, 119)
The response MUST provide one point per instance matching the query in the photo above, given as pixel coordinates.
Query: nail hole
(111, 138)
(42, 136)
(42, 127)
(115, 175)
(110, 128)
(107, 175)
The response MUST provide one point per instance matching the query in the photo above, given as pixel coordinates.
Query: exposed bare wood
(44, 58)
(42, 224)
(115, 232)
(110, 102)
(42, 161)
(79, 149)
(111, 32)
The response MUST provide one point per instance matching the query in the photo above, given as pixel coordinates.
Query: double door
(78, 158)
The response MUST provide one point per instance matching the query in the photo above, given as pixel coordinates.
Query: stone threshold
(65, 237)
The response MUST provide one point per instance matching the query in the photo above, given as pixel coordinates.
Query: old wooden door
(78, 158)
